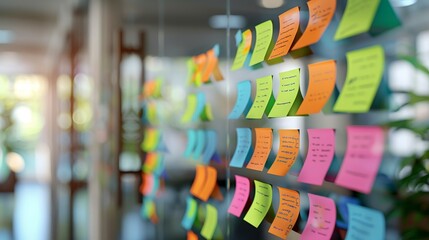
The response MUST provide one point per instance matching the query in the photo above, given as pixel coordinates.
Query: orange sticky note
(210, 187)
(322, 76)
(289, 23)
(191, 236)
(264, 142)
(199, 180)
(287, 214)
(211, 64)
(321, 13)
(287, 153)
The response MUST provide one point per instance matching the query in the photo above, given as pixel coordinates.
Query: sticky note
(321, 151)
(190, 213)
(264, 36)
(212, 62)
(322, 76)
(289, 24)
(364, 72)
(190, 108)
(260, 205)
(244, 100)
(201, 103)
(287, 153)
(210, 222)
(207, 114)
(151, 140)
(201, 143)
(199, 180)
(209, 185)
(151, 113)
(150, 185)
(321, 219)
(153, 163)
(192, 67)
(243, 150)
(149, 210)
(243, 49)
(241, 194)
(365, 223)
(365, 146)
(264, 99)
(191, 144)
(375, 16)
(287, 95)
(321, 13)
(211, 143)
(287, 214)
(263, 145)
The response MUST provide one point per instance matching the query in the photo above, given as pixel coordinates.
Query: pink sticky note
(242, 191)
(365, 146)
(321, 150)
(321, 219)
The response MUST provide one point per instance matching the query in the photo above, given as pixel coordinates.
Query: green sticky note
(364, 72)
(264, 36)
(190, 109)
(260, 205)
(288, 92)
(357, 18)
(385, 19)
(264, 99)
(210, 222)
(244, 42)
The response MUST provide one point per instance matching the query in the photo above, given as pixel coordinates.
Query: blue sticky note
(243, 150)
(211, 143)
(244, 101)
(216, 50)
(190, 213)
(159, 168)
(201, 102)
(192, 140)
(365, 224)
(238, 38)
(201, 143)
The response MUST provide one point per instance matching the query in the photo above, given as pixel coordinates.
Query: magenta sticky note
(365, 146)
(321, 218)
(242, 191)
(321, 150)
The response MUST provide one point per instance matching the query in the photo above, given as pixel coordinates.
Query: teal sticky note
(243, 150)
(244, 101)
(192, 140)
(201, 102)
(211, 142)
(201, 143)
(190, 213)
(159, 168)
(365, 223)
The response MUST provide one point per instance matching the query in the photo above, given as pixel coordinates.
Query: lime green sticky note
(364, 72)
(191, 70)
(210, 223)
(288, 92)
(190, 109)
(357, 18)
(264, 36)
(264, 99)
(244, 42)
(151, 140)
(260, 205)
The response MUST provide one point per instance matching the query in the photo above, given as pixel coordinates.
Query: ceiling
(173, 27)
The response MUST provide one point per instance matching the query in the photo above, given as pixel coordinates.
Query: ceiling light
(224, 21)
(271, 3)
(6, 36)
(403, 3)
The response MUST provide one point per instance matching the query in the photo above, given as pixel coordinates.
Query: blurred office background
(71, 74)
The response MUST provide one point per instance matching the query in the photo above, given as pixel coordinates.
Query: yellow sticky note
(264, 36)
(190, 109)
(210, 222)
(288, 92)
(357, 18)
(264, 99)
(242, 50)
(151, 139)
(364, 72)
(260, 205)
